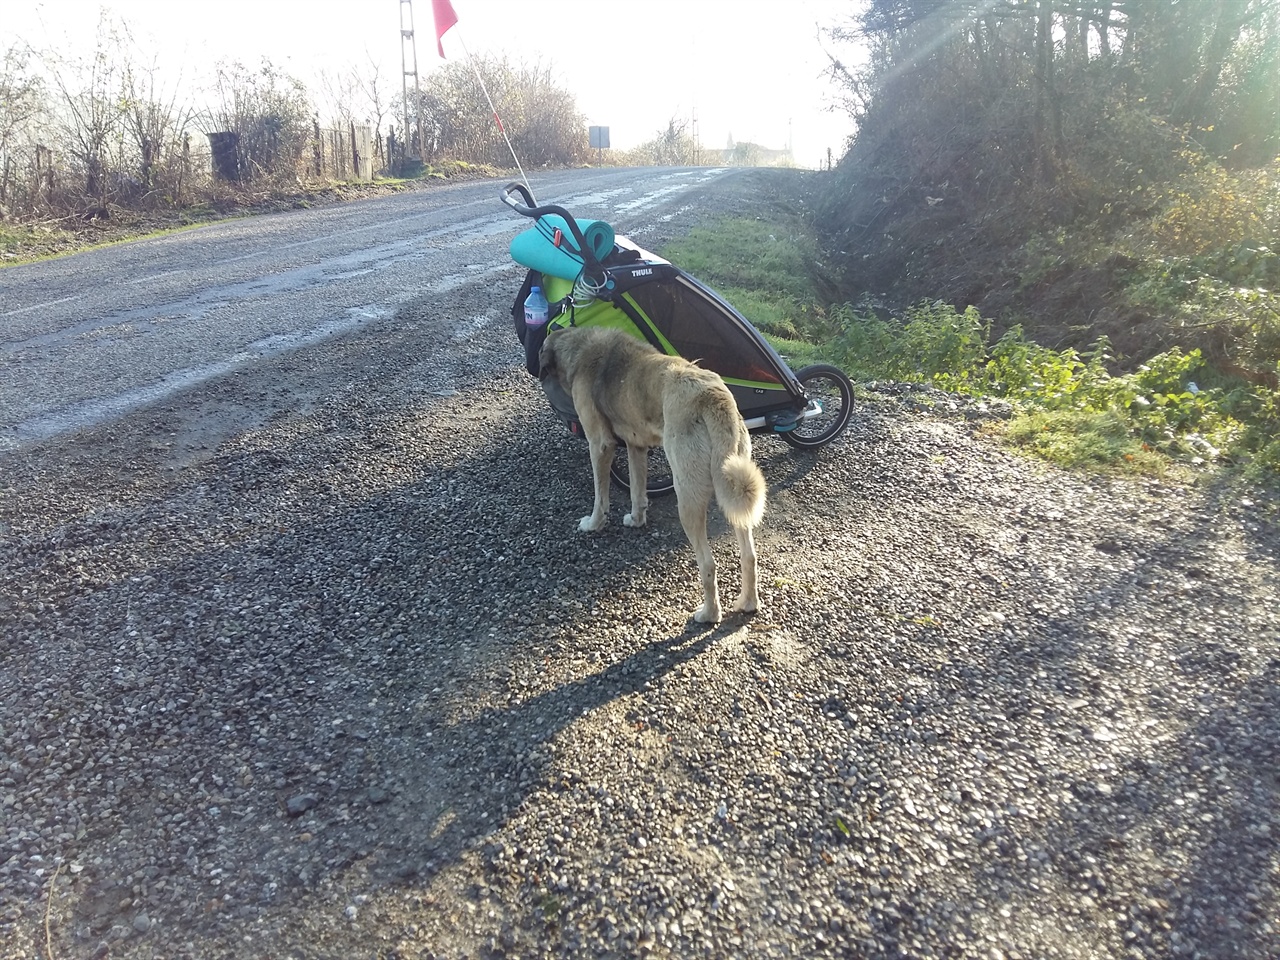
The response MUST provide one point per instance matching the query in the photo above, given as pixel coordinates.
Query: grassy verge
(1069, 409)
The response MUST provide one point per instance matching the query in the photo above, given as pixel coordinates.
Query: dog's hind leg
(693, 517)
(601, 456)
(749, 598)
(638, 471)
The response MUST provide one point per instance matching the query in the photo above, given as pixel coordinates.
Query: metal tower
(409, 56)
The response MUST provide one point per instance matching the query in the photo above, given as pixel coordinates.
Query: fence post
(355, 152)
(224, 145)
(184, 172)
(316, 148)
(44, 174)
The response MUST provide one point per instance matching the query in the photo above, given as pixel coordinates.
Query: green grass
(1070, 409)
(17, 237)
(1082, 439)
(769, 257)
(31, 247)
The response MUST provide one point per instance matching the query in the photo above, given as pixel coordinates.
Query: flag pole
(496, 119)
(445, 19)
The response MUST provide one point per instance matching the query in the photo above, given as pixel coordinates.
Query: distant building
(754, 155)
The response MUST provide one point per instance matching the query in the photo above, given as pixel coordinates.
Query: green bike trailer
(592, 277)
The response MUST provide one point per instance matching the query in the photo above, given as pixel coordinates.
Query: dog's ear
(547, 357)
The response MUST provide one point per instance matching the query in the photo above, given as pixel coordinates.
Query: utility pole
(697, 147)
(408, 57)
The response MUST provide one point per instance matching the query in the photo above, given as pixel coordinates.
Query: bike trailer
(592, 277)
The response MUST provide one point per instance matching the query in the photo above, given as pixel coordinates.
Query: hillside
(1079, 186)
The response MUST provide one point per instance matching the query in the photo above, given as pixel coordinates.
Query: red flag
(445, 18)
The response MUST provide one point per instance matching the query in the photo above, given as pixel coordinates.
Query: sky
(744, 69)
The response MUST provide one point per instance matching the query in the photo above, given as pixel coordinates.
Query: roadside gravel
(348, 683)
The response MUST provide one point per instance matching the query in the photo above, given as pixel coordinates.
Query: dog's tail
(739, 484)
(740, 490)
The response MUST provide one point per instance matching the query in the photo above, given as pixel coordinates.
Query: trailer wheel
(660, 482)
(832, 389)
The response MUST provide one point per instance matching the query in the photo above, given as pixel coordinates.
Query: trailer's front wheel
(659, 481)
(834, 393)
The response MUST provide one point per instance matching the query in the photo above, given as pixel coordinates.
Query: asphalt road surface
(89, 338)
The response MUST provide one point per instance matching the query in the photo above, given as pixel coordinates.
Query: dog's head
(555, 357)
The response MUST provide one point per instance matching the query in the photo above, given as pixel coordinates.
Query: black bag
(532, 338)
(531, 279)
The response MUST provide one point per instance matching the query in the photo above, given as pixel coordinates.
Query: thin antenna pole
(496, 118)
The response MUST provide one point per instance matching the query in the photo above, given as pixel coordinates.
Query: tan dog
(623, 389)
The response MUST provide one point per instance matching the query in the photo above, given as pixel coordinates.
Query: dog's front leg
(638, 471)
(601, 456)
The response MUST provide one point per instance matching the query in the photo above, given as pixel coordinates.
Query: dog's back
(640, 391)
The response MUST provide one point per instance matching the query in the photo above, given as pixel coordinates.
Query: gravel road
(309, 660)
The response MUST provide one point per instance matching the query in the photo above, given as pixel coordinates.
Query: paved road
(87, 338)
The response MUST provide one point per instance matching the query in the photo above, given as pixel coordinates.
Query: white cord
(584, 291)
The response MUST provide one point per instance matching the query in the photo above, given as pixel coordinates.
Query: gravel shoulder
(312, 662)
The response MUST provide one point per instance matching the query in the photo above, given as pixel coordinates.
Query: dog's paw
(707, 614)
(631, 520)
(745, 605)
(590, 524)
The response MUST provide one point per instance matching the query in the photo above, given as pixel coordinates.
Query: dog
(625, 390)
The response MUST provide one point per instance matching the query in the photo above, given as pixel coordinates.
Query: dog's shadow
(479, 772)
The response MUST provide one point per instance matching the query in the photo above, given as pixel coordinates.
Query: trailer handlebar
(530, 208)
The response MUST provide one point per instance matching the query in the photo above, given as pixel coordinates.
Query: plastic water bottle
(536, 309)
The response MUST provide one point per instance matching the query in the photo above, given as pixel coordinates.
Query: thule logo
(646, 272)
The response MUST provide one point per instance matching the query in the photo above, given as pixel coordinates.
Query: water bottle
(536, 309)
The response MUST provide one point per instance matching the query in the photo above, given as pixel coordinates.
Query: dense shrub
(541, 117)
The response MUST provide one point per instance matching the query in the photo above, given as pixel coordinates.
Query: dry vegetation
(100, 147)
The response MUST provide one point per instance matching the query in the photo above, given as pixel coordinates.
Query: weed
(1079, 438)
(1071, 410)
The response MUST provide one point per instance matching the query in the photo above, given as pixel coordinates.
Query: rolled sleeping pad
(536, 247)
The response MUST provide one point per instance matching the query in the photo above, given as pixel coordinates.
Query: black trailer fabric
(701, 330)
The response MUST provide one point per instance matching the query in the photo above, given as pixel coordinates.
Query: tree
(156, 130)
(92, 109)
(20, 93)
(540, 118)
(1004, 120)
(371, 87)
(268, 114)
(673, 146)
(1006, 84)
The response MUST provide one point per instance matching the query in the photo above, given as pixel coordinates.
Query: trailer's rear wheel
(832, 390)
(660, 482)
